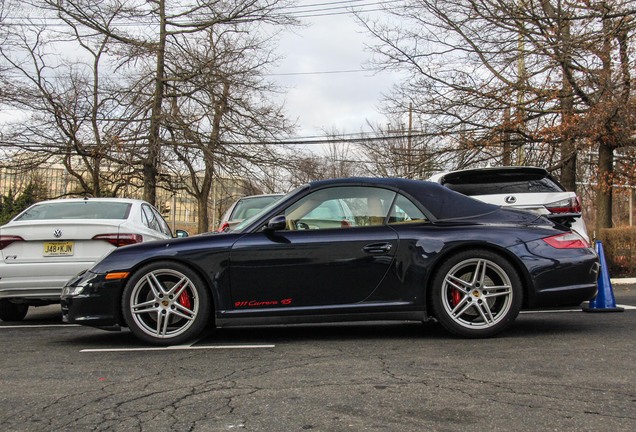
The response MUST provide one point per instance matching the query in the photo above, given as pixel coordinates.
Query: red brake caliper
(456, 296)
(185, 300)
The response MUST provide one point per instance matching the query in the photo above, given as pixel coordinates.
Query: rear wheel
(476, 293)
(12, 311)
(166, 303)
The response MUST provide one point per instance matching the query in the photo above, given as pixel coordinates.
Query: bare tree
(554, 76)
(150, 29)
(398, 151)
(67, 108)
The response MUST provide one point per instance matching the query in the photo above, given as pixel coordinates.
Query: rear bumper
(37, 281)
(41, 294)
(557, 277)
(571, 295)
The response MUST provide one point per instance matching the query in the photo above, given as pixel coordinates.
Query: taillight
(568, 205)
(118, 240)
(7, 240)
(224, 227)
(569, 240)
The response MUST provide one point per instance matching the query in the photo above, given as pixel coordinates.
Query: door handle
(377, 248)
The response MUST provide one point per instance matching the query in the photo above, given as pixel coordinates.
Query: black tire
(12, 311)
(476, 294)
(166, 303)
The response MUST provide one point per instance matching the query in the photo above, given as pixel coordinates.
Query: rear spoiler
(565, 219)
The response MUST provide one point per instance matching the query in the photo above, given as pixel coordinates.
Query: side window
(161, 222)
(404, 211)
(149, 218)
(340, 207)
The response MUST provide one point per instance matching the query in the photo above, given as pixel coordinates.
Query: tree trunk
(507, 138)
(151, 163)
(568, 147)
(202, 213)
(604, 188)
(204, 198)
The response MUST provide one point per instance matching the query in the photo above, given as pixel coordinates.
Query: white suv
(528, 188)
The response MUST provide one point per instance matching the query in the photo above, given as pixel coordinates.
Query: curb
(623, 281)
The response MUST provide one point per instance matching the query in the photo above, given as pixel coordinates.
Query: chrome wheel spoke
(458, 283)
(155, 285)
(463, 310)
(480, 273)
(485, 312)
(178, 288)
(498, 291)
(162, 323)
(186, 314)
(145, 307)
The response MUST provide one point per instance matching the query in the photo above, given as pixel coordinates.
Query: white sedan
(52, 241)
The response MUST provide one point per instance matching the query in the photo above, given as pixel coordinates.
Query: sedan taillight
(568, 205)
(569, 240)
(118, 240)
(7, 240)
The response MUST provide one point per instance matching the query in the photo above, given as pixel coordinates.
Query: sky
(321, 101)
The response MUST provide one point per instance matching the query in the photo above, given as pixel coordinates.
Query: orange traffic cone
(604, 300)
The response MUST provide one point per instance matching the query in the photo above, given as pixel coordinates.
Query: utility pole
(409, 141)
(521, 84)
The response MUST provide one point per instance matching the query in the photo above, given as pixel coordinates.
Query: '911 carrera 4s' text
(257, 303)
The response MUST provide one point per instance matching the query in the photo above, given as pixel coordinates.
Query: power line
(308, 140)
(352, 139)
(347, 7)
(321, 72)
(334, 72)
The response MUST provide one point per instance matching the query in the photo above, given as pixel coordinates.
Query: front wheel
(476, 293)
(166, 303)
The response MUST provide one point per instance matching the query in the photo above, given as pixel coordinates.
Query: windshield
(253, 217)
(248, 207)
(245, 223)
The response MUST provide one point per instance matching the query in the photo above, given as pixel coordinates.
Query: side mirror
(276, 223)
(181, 233)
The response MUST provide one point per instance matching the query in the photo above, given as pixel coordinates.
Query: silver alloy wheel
(164, 303)
(477, 293)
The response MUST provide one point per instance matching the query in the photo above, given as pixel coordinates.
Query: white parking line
(37, 326)
(626, 307)
(177, 348)
(549, 311)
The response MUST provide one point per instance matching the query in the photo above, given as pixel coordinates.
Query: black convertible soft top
(442, 202)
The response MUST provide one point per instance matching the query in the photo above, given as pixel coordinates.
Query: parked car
(245, 208)
(528, 188)
(51, 241)
(414, 250)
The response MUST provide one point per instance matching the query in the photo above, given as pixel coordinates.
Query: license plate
(58, 248)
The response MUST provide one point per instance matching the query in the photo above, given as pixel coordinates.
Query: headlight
(72, 291)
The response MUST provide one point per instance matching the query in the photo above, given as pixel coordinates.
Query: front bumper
(89, 299)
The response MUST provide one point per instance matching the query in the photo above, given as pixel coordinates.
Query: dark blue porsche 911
(341, 250)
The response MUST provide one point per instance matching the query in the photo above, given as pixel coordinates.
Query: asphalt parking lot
(557, 371)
